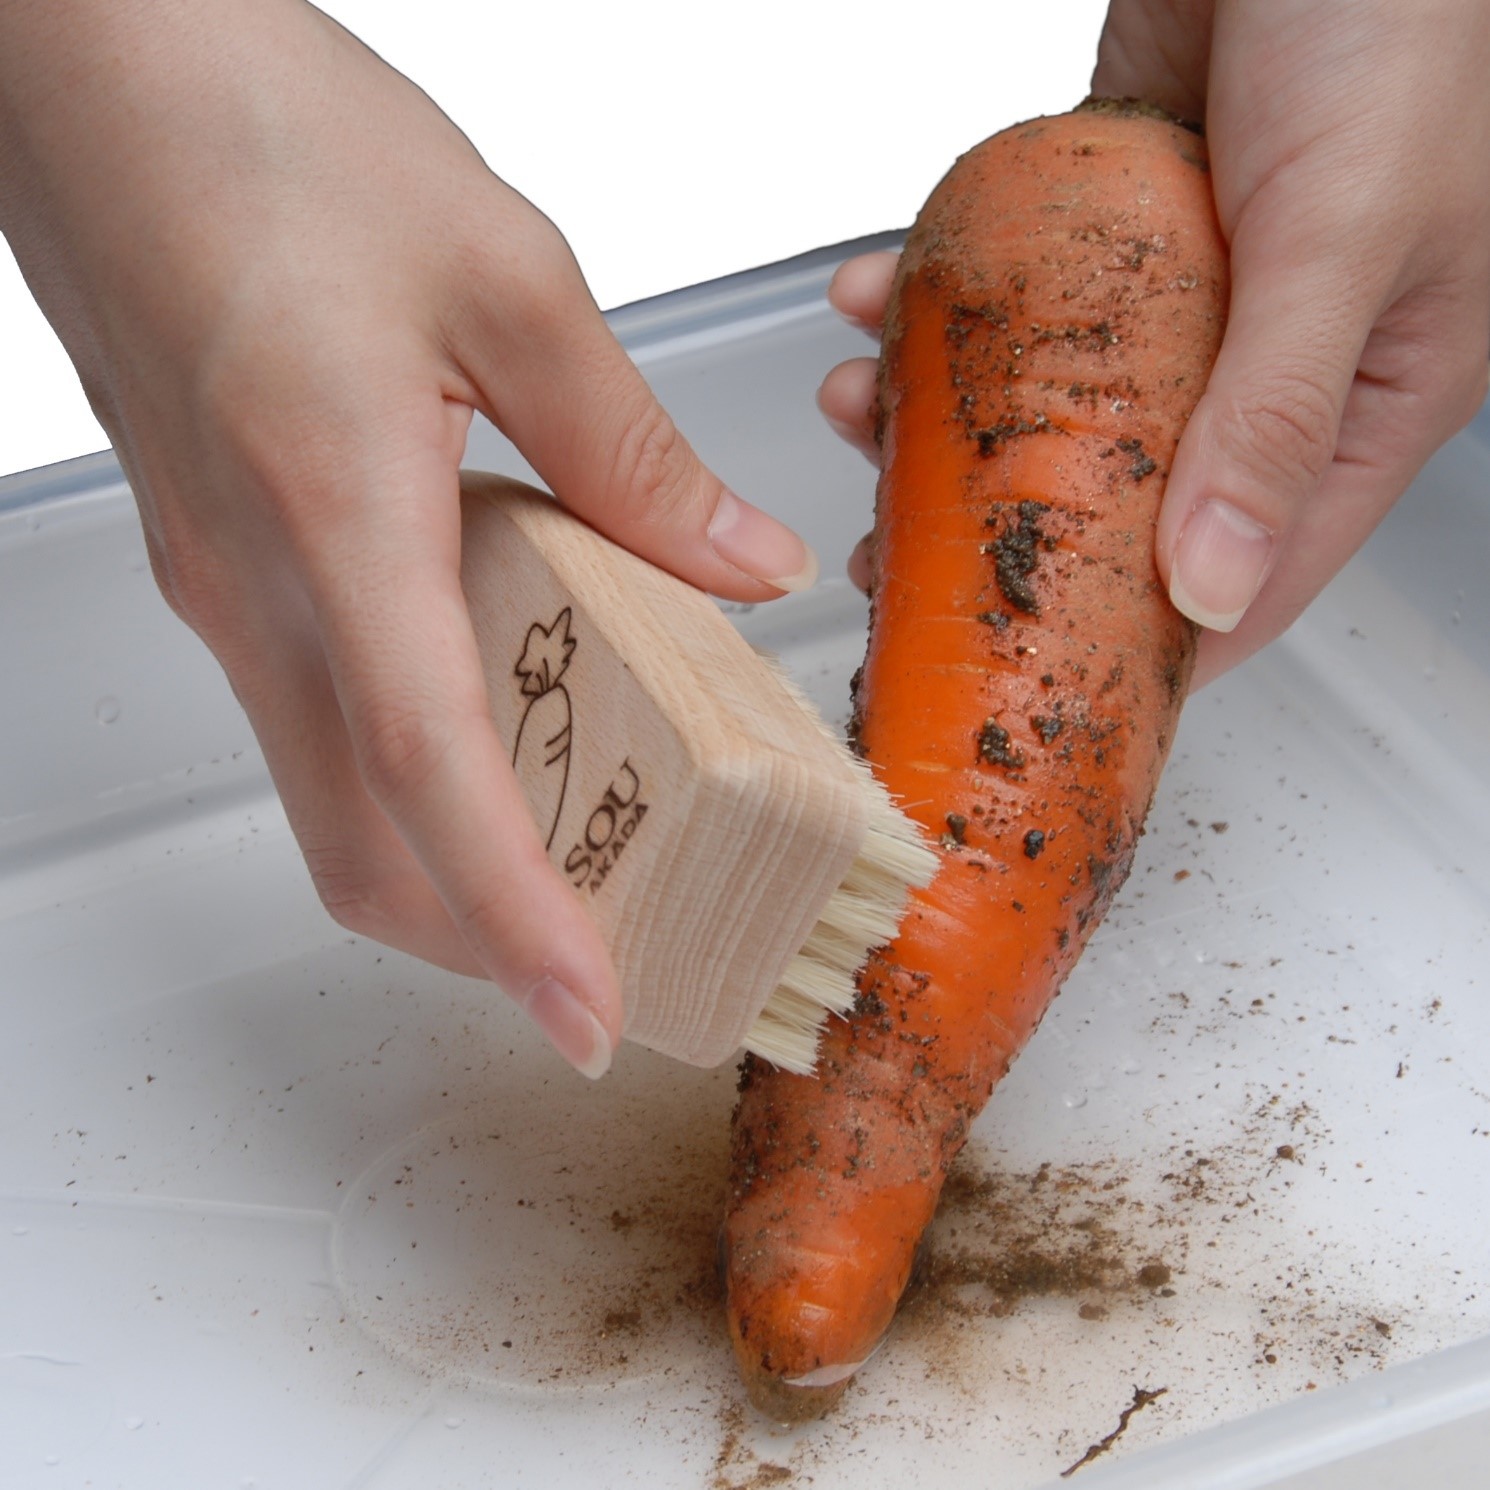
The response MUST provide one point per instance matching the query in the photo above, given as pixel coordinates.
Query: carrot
(1055, 314)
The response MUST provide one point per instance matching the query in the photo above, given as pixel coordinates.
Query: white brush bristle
(863, 913)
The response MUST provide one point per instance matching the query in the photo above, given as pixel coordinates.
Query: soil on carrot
(1016, 551)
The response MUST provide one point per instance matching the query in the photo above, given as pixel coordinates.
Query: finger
(1350, 502)
(1388, 433)
(560, 386)
(408, 679)
(362, 870)
(860, 289)
(848, 400)
(1264, 432)
(859, 570)
(1159, 53)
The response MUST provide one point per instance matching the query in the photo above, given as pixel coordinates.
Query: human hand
(1350, 156)
(286, 281)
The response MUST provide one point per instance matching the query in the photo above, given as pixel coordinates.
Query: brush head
(863, 913)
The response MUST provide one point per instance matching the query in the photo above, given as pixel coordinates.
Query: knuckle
(192, 583)
(168, 581)
(507, 930)
(481, 921)
(399, 748)
(522, 280)
(350, 893)
(1468, 386)
(1284, 435)
(653, 469)
(181, 563)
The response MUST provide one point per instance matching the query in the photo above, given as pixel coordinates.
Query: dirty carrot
(1055, 315)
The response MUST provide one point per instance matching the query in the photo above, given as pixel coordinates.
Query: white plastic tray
(279, 1208)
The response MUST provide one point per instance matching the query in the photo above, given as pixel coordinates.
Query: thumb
(563, 390)
(1263, 434)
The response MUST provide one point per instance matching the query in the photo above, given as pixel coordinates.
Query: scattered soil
(1003, 1238)
(736, 1466)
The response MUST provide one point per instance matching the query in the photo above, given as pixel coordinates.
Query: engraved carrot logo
(545, 734)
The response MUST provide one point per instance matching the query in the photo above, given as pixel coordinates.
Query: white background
(671, 141)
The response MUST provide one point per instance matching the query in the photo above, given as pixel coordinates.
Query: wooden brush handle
(697, 807)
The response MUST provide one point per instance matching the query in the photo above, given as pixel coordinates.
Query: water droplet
(107, 709)
(1204, 957)
(19, 1230)
(1130, 1067)
(453, 1422)
(1431, 674)
(1074, 1099)
(51, 1460)
(1454, 618)
(134, 1423)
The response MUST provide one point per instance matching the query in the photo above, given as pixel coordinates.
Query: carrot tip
(791, 1405)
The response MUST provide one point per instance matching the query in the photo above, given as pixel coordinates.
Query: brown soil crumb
(994, 746)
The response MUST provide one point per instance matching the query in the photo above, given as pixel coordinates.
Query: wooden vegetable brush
(739, 860)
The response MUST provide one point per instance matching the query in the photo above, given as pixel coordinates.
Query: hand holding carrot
(1350, 161)
(287, 281)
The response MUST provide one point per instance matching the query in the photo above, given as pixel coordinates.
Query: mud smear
(1141, 1399)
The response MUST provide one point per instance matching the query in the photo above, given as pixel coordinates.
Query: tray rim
(768, 290)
